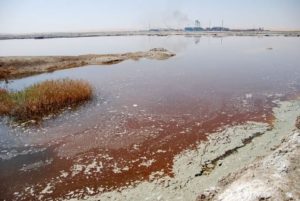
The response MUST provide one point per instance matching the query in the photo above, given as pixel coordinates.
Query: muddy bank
(21, 66)
(275, 177)
(225, 152)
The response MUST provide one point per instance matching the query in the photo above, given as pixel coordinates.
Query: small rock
(199, 174)
(210, 166)
(207, 195)
(166, 184)
(264, 198)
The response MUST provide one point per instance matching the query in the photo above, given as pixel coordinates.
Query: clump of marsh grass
(44, 98)
(5, 102)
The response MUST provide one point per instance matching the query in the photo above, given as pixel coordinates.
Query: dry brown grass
(4, 73)
(5, 102)
(44, 98)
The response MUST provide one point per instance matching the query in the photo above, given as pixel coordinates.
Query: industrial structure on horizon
(197, 27)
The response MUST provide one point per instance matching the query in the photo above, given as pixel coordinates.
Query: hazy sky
(24, 16)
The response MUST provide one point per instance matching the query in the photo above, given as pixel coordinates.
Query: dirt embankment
(274, 178)
(21, 66)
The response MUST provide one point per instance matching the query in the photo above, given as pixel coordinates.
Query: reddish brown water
(144, 113)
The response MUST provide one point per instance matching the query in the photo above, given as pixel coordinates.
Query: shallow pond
(143, 112)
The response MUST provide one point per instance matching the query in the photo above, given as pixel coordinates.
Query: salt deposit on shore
(225, 153)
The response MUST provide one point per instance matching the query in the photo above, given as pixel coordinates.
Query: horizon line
(135, 30)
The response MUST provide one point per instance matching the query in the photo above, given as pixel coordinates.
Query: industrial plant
(197, 28)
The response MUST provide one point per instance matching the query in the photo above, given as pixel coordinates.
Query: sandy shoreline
(148, 33)
(223, 154)
(22, 66)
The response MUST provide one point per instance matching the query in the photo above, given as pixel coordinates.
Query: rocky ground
(21, 66)
(275, 177)
(254, 161)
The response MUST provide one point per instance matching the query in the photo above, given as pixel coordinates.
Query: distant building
(218, 29)
(255, 30)
(191, 29)
(197, 27)
(154, 29)
(39, 37)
